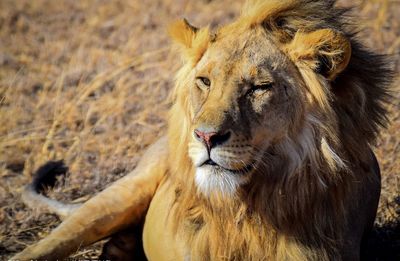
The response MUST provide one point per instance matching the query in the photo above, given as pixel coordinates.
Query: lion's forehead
(247, 56)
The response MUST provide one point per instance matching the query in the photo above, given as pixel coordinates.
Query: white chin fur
(209, 180)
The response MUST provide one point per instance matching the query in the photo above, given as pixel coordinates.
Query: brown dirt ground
(88, 81)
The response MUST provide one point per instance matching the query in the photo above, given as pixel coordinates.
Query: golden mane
(315, 177)
(315, 191)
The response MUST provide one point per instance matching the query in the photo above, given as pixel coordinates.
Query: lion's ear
(192, 42)
(325, 51)
(183, 33)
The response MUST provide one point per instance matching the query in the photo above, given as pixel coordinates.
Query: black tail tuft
(47, 174)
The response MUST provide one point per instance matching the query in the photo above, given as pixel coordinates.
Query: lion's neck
(262, 218)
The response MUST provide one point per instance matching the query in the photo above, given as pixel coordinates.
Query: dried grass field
(88, 82)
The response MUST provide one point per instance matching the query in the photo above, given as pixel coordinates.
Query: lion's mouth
(209, 162)
(213, 164)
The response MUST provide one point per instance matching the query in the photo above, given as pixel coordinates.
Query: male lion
(267, 155)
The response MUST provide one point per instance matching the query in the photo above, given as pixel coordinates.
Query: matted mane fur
(313, 164)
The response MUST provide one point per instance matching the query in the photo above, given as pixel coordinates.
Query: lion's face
(258, 84)
(243, 99)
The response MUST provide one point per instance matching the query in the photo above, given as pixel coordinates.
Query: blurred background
(88, 82)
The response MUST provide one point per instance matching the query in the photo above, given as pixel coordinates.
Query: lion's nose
(212, 138)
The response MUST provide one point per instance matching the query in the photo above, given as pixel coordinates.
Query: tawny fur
(310, 180)
(350, 102)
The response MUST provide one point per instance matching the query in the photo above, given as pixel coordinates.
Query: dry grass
(88, 81)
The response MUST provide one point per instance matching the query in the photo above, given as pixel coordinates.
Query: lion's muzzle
(211, 138)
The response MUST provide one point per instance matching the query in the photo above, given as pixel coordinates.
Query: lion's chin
(216, 179)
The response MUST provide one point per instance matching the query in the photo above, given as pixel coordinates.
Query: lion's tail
(46, 176)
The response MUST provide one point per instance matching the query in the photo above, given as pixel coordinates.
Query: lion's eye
(203, 82)
(261, 87)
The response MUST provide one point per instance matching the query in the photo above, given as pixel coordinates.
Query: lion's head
(270, 131)
(278, 85)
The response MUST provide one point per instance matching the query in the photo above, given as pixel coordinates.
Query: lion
(267, 155)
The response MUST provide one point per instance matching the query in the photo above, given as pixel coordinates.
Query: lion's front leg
(122, 204)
